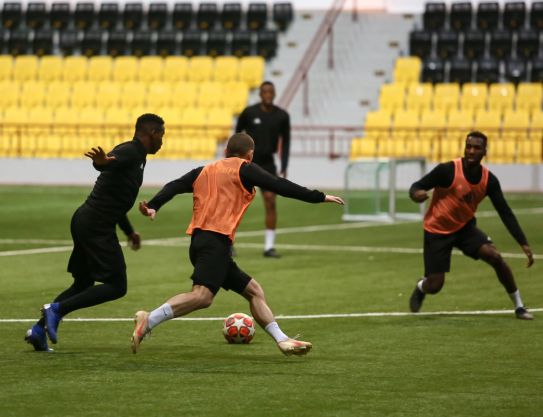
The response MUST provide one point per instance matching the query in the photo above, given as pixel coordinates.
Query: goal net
(376, 189)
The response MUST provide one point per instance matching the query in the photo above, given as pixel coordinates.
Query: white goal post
(376, 189)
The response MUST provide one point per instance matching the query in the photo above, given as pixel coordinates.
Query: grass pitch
(387, 365)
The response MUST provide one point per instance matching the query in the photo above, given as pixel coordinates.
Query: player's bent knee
(253, 289)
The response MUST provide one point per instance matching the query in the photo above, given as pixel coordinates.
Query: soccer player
(222, 192)
(266, 123)
(459, 186)
(97, 255)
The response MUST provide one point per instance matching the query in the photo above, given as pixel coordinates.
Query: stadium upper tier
(59, 107)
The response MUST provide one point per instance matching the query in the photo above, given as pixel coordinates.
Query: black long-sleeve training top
(118, 184)
(443, 176)
(265, 128)
(251, 176)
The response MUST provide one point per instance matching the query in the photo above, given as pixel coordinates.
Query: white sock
(157, 316)
(419, 284)
(270, 239)
(274, 331)
(515, 297)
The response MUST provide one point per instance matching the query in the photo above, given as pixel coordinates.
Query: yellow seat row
(231, 95)
(249, 70)
(502, 150)
(499, 97)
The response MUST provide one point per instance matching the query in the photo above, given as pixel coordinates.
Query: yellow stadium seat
(125, 68)
(489, 122)
(184, 94)
(419, 96)
(58, 94)
(25, 67)
(171, 147)
(10, 92)
(226, 69)
(251, 70)
(530, 151)
(515, 124)
(108, 94)
(200, 69)
(404, 132)
(150, 69)
(159, 94)
(236, 95)
(175, 68)
(363, 148)
(118, 125)
(529, 97)
(474, 96)
(210, 95)
(133, 94)
(40, 130)
(66, 133)
(91, 121)
(100, 68)
(75, 68)
(446, 96)
(392, 97)
(407, 69)
(6, 67)
(50, 68)
(377, 125)
(14, 128)
(194, 121)
(459, 124)
(536, 125)
(502, 151)
(32, 94)
(501, 97)
(219, 123)
(83, 94)
(432, 129)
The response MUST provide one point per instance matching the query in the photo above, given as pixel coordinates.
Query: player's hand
(146, 211)
(134, 241)
(529, 254)
(419, 196)
(99, 157)
(334, 199)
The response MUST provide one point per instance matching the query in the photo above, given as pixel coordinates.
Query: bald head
(240, 145)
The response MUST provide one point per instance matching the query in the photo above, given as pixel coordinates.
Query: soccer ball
(238, 328)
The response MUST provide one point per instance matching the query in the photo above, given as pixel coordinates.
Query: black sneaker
(523, 314)
(271, 253)
(416, 299)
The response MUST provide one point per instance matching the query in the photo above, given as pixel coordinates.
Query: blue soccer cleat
(52, 319)
(37, 338)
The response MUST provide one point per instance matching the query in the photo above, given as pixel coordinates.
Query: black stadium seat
(191, 44)
(460, 71)
(92, 43)
(501, 43)
(68, 41)
(3, 40)
(18, 42)
(488, 15)
(157, 16)
(36, 15)
(231, 16)
(283, 14)
(433, 71)
(434, 16)
(536, 15)
(141, 44)
(266, 43)
(108, 16)
(216, 43)
(474, 44)
(117, 43)
(182, 16)
(241, 43)
(420, 43)
(447, 44)
(132, 16)
(460, 16)
(84, 16)
(537, 70)
(488, 71)
(514, 15)
(207, 16)
(257, 16)
(166, 43)
(515, 71)
(527, 43)
(60, 16)
(42, 44)
(12, 15)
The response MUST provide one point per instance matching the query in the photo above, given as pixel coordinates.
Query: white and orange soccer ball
(238, 328)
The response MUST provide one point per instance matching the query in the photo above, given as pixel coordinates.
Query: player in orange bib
(222, 192)
(459, 186)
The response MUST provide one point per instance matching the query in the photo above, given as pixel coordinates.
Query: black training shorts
(438, 247)
(97, 254)
(214, 268)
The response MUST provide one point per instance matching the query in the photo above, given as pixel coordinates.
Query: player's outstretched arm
(134, 241)
(99, 157)
(418, 196)
(529, 255)
(146, 210)
(334, 199)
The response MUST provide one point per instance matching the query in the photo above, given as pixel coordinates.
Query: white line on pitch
(303, 317)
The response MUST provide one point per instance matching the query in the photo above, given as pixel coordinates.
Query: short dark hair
(148, 121)
(266, 83)
(239, 144)
(480, 135)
